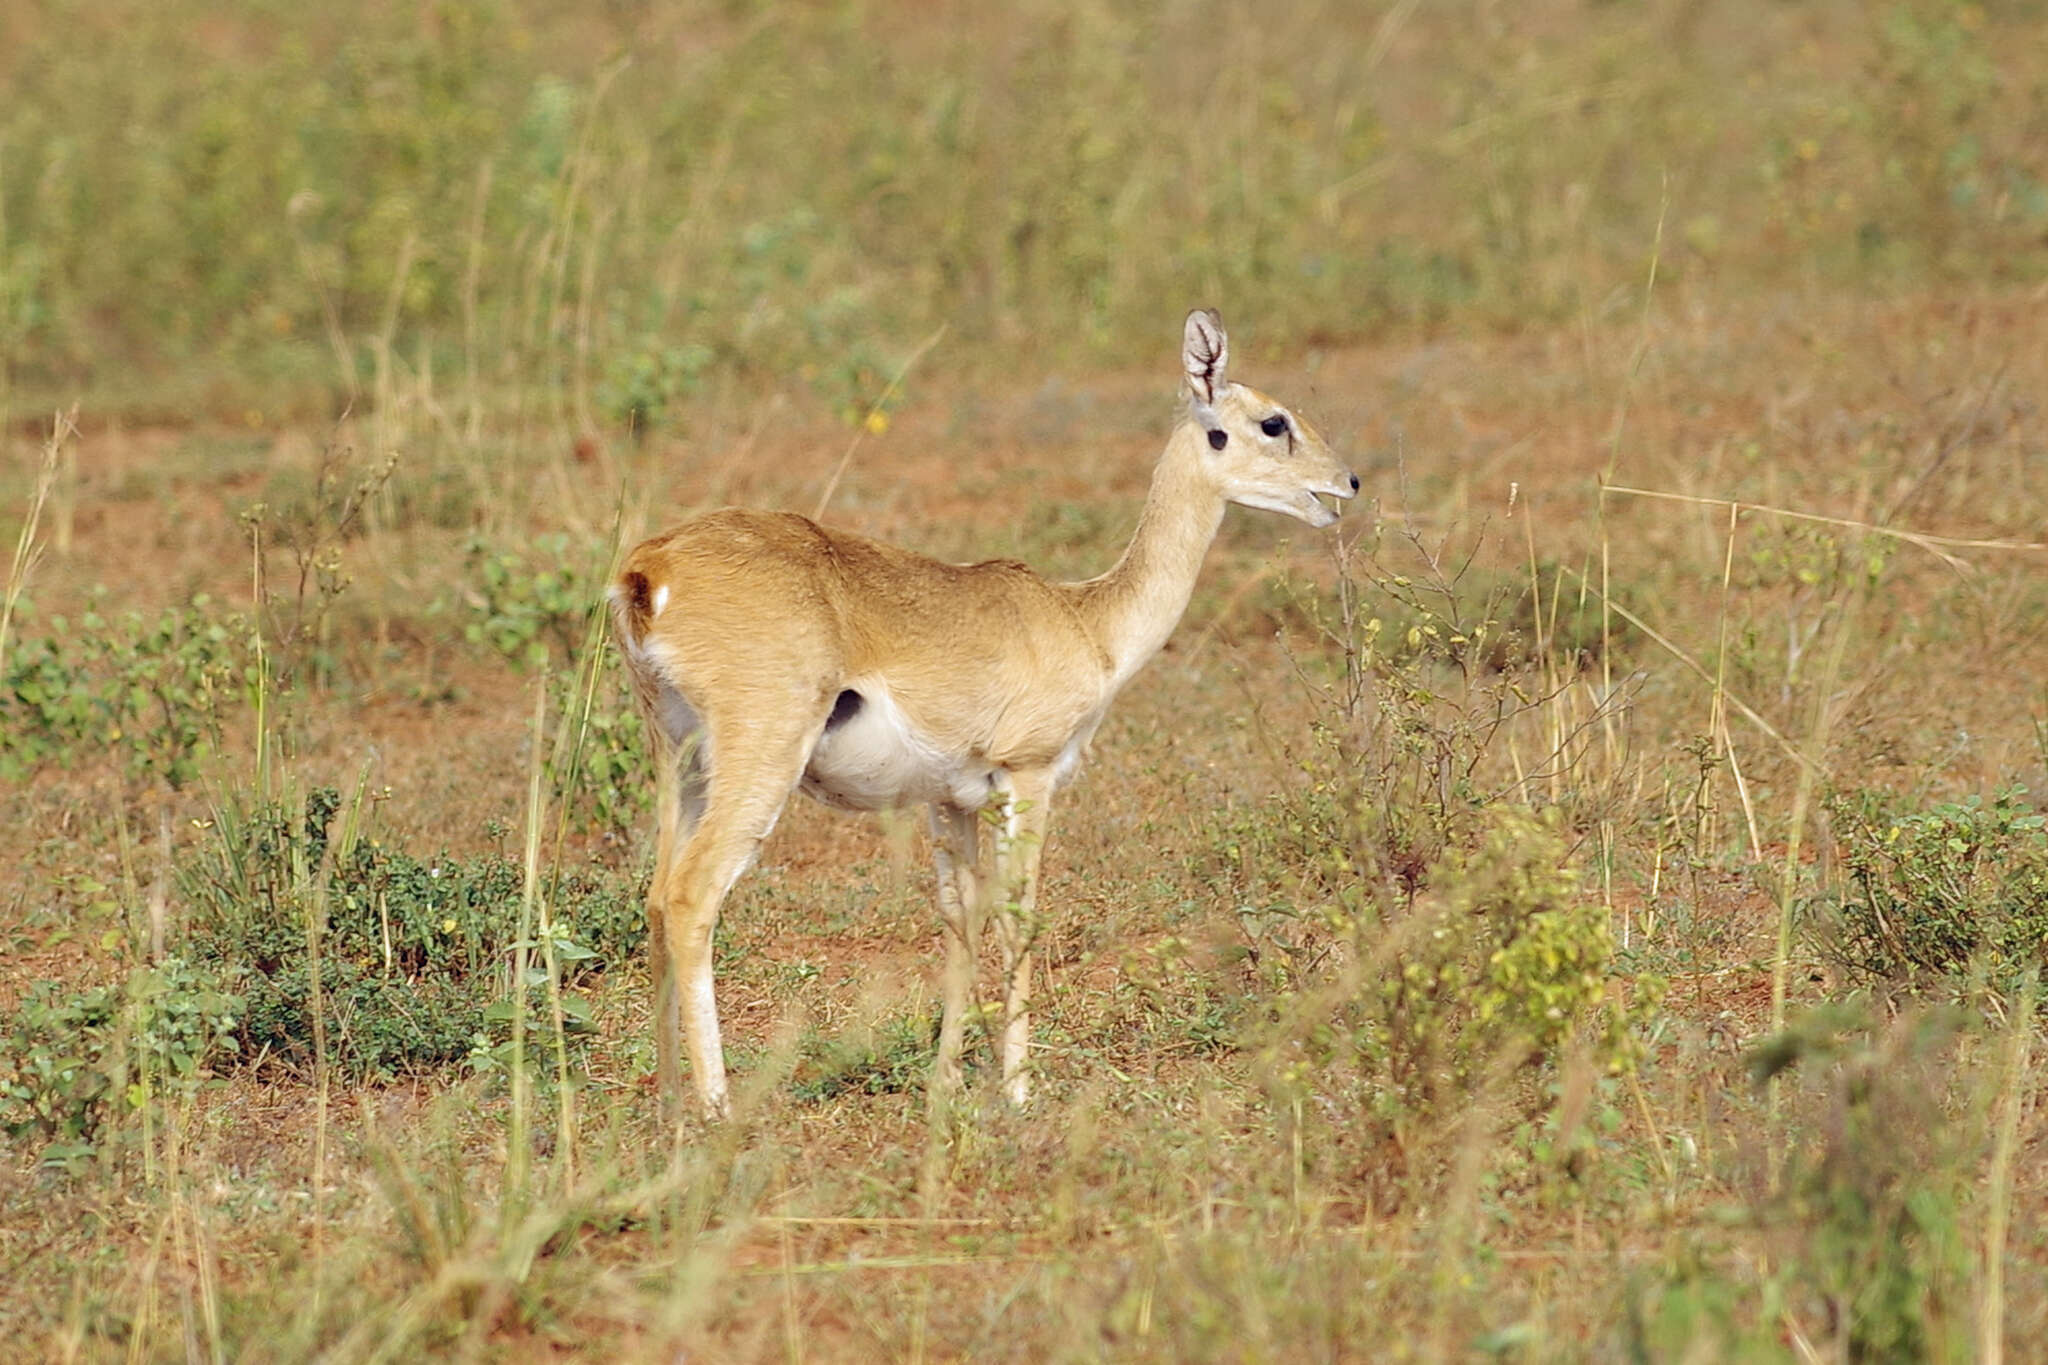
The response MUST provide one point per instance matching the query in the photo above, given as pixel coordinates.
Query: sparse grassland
(1588, 907)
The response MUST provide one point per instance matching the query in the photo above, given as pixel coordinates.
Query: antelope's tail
(632, 608)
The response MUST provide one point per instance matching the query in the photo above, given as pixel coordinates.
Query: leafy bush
(1499, 961)
(415, 954)
(155, 689)
(894, 1058)
(643, 382)
(1932, 896)
(1510, 961)
(1421, 937)
(524, 612)
(1863, 1222)
(599, 764)
(68, 1058)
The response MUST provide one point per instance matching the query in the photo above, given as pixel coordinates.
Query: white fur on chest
(877, 760)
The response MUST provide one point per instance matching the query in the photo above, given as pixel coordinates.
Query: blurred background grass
(266, 206)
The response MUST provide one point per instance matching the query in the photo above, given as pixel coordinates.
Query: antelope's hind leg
(679, 782)
(745, 779)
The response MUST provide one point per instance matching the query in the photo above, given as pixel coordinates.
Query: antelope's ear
(1204, 352)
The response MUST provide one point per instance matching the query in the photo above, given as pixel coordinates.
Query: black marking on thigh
(844, 709)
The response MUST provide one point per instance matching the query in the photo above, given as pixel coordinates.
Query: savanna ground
(1586, 906)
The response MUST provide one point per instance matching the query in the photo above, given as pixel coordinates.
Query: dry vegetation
(1580, 909)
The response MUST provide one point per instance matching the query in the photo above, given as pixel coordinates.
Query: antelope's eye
(1218, 438)
(1275, 425)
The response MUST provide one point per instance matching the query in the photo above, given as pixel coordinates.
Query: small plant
(858, 386)
(415, 952)
(1423, 938)
(1515, 961)
(70, 1059)
(527, 613)
(642, 384)
(1930, 897)
(312, 527)
(1498, 962)
(46, 700)
(893, 1058)
(154, 689)
(1409, 695)
(599, 762)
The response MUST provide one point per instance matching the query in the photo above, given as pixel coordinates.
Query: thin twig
(1923, 540)
(898, 1263)
(861, 431)
(1749, 712)
(1945, 447)
(27, 552)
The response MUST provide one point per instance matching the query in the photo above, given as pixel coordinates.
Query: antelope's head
(1260, 454)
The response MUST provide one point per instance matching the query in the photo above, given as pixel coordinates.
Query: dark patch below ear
(1218, 438)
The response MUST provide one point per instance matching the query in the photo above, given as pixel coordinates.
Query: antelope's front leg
(1026, 815)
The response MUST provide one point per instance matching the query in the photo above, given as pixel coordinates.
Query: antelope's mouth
(1331, 497)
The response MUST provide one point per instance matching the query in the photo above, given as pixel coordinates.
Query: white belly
(876, 760)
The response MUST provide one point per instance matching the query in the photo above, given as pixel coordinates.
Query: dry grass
(1157, 1203)
(1693, 350)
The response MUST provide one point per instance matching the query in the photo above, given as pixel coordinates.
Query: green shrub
(69, 1058)
(1424, 944)
(1861, 1233)
(1931, 897)
(47, 703)
(529, 607)
(642, 383)
(415, 953)
(1516, 959)
(599, 767)
(153, 688)
(1499, 962)
(894, 1058)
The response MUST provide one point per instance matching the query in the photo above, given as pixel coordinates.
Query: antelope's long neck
(1135, 606)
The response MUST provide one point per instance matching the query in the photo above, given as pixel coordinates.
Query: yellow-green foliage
(1495, 976)
(1555, 946)
(1503, 958)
